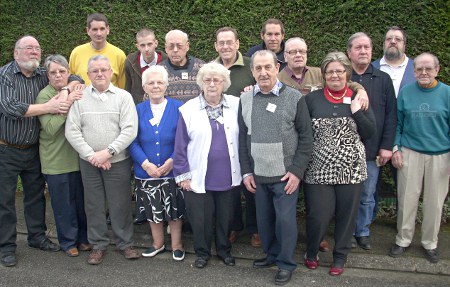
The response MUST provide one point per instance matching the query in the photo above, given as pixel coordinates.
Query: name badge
(153, 121)
(347, 100)
(271, 107)
(220, 120)
(185, 75)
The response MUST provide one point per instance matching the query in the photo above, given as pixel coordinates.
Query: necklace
(339, 97)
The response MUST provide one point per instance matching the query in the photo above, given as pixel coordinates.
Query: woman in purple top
(206, 163)
(152, 153)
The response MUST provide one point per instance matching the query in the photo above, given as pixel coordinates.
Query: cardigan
(154, 142)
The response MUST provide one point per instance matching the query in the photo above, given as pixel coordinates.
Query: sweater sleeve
(180, 158)
(137, 153)
(305, 140)
(51, 123)
(74, 134)
(244, 150)
(365, 120)
(400, 118)
(128, 125)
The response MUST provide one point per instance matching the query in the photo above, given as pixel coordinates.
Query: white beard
(30, 65)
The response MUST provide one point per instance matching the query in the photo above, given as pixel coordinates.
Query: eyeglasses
(31, 49)
(216, 81)
(424, 69)
(395, 39)
(294, 52)
(97, 71)
(179, 46)
(61, 72)
(152, 83)
(225, 43)
(337, 72)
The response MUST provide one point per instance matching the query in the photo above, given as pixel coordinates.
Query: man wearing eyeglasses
(97, 29)
(272, 36)
(100, 127)
(227, 46)
(20, 83)
(182, 68)
(394, 61)
(379, 147)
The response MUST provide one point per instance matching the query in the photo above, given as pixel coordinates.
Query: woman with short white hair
(206, 163)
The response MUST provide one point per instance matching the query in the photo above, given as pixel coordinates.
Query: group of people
(200, 135)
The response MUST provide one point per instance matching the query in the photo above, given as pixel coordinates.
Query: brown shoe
(130, 253)
(96, 256)
(233, 236)
(255, 241)
(72, 252)
(85, 247)
(324, 247)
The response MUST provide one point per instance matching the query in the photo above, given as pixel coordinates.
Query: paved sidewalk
(382, 235)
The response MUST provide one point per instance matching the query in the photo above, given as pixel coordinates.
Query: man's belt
(15, 145)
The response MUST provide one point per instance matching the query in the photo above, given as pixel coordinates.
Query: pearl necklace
(339, 97)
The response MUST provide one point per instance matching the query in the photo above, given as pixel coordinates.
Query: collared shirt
(17, 93)
(275, 90)
(293, 77)
(213, 112)
(104, 95)
(143, 63)
(396, 73)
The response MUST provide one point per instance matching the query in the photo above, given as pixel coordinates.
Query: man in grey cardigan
(275, 143)
(100, 127)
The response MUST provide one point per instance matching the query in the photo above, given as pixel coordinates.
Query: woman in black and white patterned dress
(335, 174)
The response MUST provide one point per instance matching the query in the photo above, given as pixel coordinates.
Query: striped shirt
(17, 92)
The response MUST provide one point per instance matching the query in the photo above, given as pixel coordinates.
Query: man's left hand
(99, 158)
(363, 99)
(292, 182)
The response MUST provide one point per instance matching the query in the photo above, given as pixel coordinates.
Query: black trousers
(323, 202)
(250, 211)
(207, 212)
(24, 163)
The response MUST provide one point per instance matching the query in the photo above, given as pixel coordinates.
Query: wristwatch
(395, 149)
(111, 151)
(65, 89)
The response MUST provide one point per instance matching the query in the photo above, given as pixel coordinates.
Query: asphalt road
(38, 268)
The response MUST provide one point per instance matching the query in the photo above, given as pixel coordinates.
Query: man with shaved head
(20, 83)
(182, 68)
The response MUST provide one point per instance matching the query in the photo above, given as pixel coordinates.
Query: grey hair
(157, 70)
(98, 58)
(339, 57)
(263, 53)
(355, 36)
(179, 32)
(295, 39)
(435, 59)
(214, 68)
(57, 59)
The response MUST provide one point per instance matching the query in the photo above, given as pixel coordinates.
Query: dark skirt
(163, 199)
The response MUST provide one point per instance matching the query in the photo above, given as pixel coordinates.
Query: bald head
(177, 46)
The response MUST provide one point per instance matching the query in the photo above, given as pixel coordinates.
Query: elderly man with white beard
(20, 83)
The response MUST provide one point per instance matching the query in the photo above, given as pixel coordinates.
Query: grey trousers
(114, 187)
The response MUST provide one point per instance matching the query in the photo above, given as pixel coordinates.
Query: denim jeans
(367, 201)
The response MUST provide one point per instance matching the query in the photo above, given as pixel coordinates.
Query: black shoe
(364, 242)
(228, 261)
(46, 245)
(263, 263)
(139, 221)
(9, 260)
(354, 243)
(200, 262)
(396, 251)
(282, 277)
(432, 255)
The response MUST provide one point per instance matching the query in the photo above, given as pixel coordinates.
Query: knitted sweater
(80, 56)
(182, 80)
(272, 143)
(95, 122)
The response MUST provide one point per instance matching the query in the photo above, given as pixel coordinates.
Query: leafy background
(325, 25)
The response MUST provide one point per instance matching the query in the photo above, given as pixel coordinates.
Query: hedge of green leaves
(325, 25)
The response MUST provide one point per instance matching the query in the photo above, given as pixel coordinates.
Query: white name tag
(220, 120)
(271, 107)
(153, 121)
(184, 75)
(347, 100)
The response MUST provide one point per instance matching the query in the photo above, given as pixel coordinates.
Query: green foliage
(325, 25)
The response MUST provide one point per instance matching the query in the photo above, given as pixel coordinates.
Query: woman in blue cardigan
(152, 153)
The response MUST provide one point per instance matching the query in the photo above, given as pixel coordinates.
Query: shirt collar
(275, 90)
(203, 103)
(384, 63)
(144, 63)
